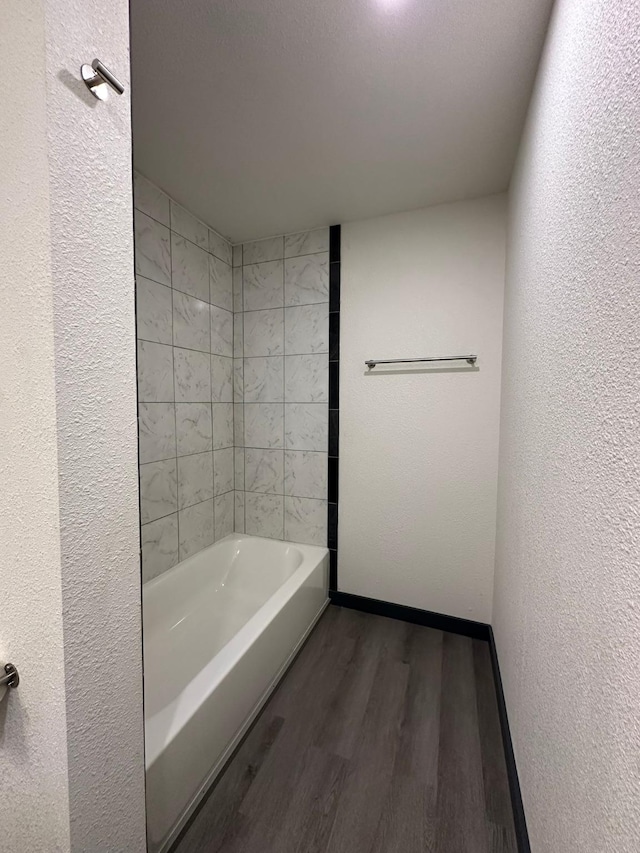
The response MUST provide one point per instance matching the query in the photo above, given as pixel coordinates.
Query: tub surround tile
(264, 380)
(159, 541)
(192, 374)
(220, 283)
(189, 268)
(191, 325)
(238, 301)
(264, 515)
(219, 247)
(221, 379)
(153, 311)
(193, 428)
(305, 520)
(306, 329)
(263, 286)
(157, 431)
(152, 249)
(158, 490)
(238, 380)
(264, 332)
(237, 255)
(155, 373)
(306, 279)
(238, 335)
(306, 379)
(264, 471)
(222, 425)
(305, 474)
(271, 249)
(305, 426)
(223, 462)
(238, 424)
(223, 507)
(196, 528)
(238, 468)
(306, 243)
(238, 516)
(185, 224)
(149, 199)
(264, 425)
(195, 479)
(221, 331)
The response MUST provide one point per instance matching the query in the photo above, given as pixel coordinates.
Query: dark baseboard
(466, 627)
(522, 835)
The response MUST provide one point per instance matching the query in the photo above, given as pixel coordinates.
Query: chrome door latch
(98, 77)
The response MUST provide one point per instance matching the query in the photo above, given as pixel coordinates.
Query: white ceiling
(270, 116)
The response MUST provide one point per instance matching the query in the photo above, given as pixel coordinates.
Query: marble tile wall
(184, 302)
(280, 381)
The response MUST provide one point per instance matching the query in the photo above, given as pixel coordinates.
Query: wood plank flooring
(383, 737)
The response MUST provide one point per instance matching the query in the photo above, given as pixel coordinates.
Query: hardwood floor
(383, 737)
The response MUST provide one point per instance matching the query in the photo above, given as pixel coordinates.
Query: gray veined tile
(238, 468)
(305, 474)
(221, 331)
(305, 520)
(223, 470)
(222, 425)
(219, 247)
(306, 378)
(237, 255)
(238, 301)
(238, 515)
(159, 546)
(157, 431)
(271, 249)
(264, 380)
(189, 268)
(238, 335)
(153, 311)
(196, 528)
(306, 329)
(221, 379)
(191, 324)
(264, 471)
(158, 490)
(264, 332)
(306, 243)
(221, 283)
(306, 279)
(152, 249)
(264, 515)
(224, 515)
(192, 372)
(306, 426)
(155, 373)
(185, 224)
(263, 285)
(150, 200)
(263, 425)
(238, 424)
(238, 380)
(193, 428)
(195, 479)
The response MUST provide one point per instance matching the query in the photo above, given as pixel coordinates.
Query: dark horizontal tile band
(335, 234)
(439, 621)
(517, 806)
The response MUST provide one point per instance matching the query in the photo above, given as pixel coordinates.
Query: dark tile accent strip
(332, 524)
(334, 434)
(333, 568)
(334, 384)
(334, 336)
(333, 479)
(519, 820)
(334, 243)
(453, 624)
(334, 286)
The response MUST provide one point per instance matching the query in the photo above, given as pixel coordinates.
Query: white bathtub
(219, 631)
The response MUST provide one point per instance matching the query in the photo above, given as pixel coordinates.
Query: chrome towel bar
(470, 359)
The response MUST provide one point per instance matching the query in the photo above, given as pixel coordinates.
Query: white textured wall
(567, 586)
(34, 807)
(419, 450)
(70, 562)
